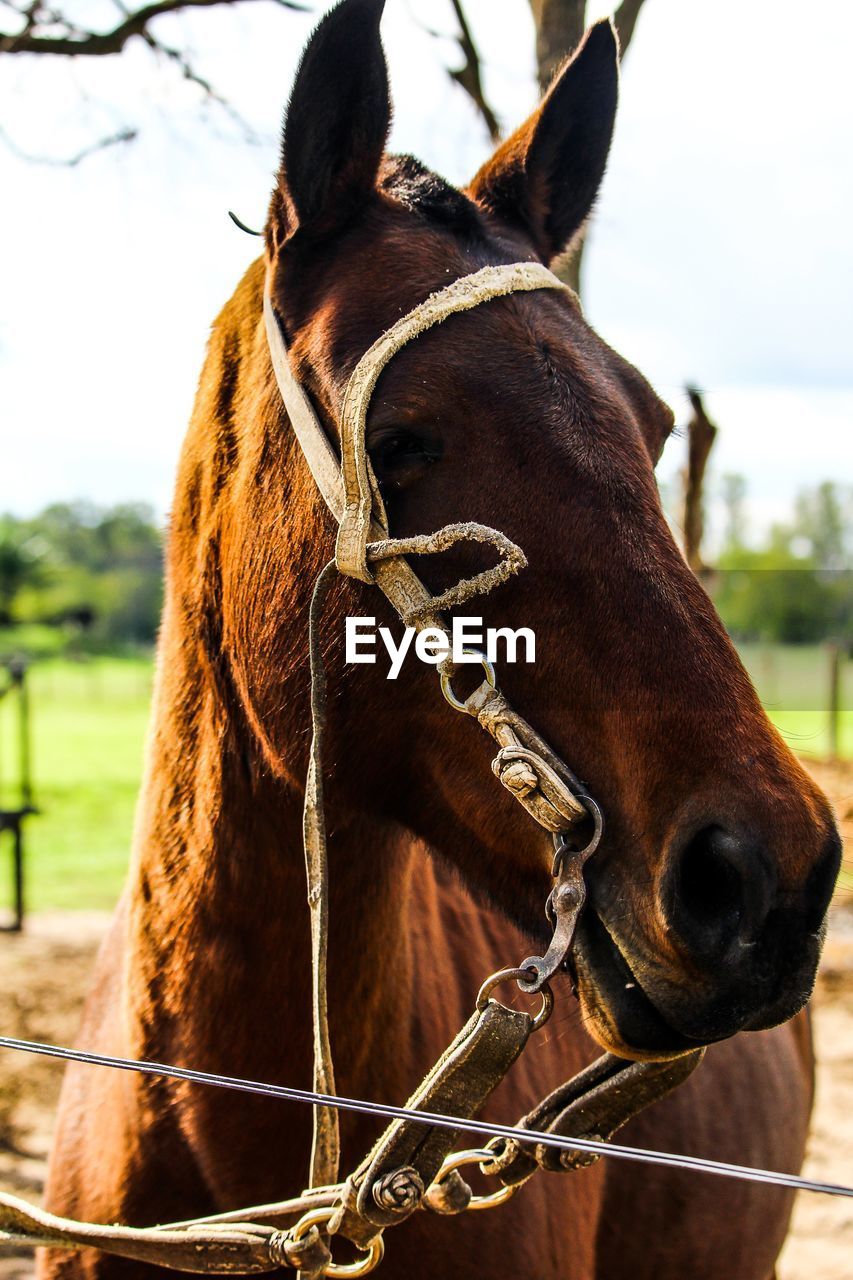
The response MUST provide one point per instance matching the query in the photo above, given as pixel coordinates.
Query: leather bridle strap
(526, 766)
(347, 484)
(361, 492)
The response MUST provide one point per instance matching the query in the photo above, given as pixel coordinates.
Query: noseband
(525, 764)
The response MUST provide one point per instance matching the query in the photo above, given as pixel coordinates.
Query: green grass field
(88, 729)
(89, 722)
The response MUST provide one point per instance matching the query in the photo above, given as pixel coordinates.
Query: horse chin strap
(525, 764)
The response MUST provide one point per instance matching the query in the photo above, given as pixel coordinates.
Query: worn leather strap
(528, 768)
(213, 1250)
(364, 551)
(596, 1103)
(459, 1083)
(363, 501)
(323, 461)
(326, 1142)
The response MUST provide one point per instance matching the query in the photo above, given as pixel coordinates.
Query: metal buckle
(480, 1156)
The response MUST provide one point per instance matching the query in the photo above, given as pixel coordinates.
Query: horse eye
(400, 456)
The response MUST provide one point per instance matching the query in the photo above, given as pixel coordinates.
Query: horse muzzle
(740, 955)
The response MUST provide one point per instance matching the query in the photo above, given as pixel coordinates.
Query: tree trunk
(701, 433)
(625, 20)
(559, 27)
(560, 24)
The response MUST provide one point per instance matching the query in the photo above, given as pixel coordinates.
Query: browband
(348, 485)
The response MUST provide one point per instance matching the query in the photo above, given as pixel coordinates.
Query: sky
(720, 253)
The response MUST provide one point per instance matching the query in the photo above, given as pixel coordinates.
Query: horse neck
(219, 923)
(218, 911)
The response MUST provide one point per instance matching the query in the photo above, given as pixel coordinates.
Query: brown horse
(707, 898)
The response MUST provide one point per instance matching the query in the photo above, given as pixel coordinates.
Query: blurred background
(719, 260)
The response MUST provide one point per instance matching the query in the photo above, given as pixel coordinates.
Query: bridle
(529, 769)
(404, 1169)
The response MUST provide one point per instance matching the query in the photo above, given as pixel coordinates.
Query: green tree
(19, 565)
(99, 572)
(824, 518)
(774, 595)
(798, 587)
(734, 490)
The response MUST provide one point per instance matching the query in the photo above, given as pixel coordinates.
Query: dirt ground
(45, 974)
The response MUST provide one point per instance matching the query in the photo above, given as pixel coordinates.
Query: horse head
(708, 894)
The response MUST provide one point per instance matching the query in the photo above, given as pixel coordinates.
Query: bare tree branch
(49, 31)
(189, 73)
(469, 75)
(69, 162)
(625, 20)
(75, 42)
(560, 24)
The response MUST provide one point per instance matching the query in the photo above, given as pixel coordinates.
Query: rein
(412, 1166)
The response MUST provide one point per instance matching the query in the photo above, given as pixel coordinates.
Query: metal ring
(345, 1270)
(594, 810)
(447, 687)
(505, 975)
(502, 1152)
(561, 847)
(459, 1158)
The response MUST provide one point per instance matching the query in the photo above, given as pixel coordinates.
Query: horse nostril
(722, 891)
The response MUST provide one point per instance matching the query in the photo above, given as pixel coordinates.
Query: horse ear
(336, 123)
(545, 177)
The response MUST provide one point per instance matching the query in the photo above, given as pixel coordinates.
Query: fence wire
(481, 1128)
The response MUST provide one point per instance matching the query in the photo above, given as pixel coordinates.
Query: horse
(707, 897)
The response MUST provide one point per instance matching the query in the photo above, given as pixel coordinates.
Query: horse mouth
(616, 1010)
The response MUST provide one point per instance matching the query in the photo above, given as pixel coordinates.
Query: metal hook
(565, 901)
(238, 223)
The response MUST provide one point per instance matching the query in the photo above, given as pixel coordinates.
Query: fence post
(834, 651)
(18, 875)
